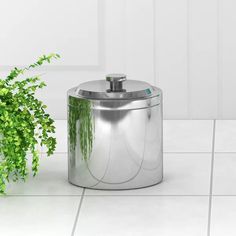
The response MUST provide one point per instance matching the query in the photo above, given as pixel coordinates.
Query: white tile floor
(197, 196)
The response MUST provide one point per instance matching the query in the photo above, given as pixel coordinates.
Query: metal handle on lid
(116, 82)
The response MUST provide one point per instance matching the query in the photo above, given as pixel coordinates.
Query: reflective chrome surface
(103, 90)
(126, 147)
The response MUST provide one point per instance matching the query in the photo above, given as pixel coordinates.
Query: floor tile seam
(128, 195)
(211, 181)
(78, 213)
(40, 195)
(146, 195)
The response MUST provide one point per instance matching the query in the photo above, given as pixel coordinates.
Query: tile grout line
(120, 195)
(41, 195)
(124, 37)
(188, 152)
(188, 57)
(101, 34)
(211, 180)
(218, 63)
(147, 195)
(159, 195)
(167, 152)
(78, 212)
(154, 44)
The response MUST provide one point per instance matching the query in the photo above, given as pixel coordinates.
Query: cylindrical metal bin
(115, 134)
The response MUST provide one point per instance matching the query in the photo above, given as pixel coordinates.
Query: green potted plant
(24, 124)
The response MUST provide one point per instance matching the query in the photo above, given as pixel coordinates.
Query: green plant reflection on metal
(80, 110)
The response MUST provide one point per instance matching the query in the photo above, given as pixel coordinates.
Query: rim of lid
(115, 87)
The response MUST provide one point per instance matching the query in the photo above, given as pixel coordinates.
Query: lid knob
(116, 82)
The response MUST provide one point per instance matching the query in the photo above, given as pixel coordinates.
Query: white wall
(185, 47)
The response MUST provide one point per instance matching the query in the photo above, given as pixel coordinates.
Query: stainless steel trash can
(115, 134)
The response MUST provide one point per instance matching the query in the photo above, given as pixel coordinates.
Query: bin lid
(116, 87)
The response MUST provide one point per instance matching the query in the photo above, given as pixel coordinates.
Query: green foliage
(23, 124)
(80, 110)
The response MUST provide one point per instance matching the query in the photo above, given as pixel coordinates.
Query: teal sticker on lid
(148, 91)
